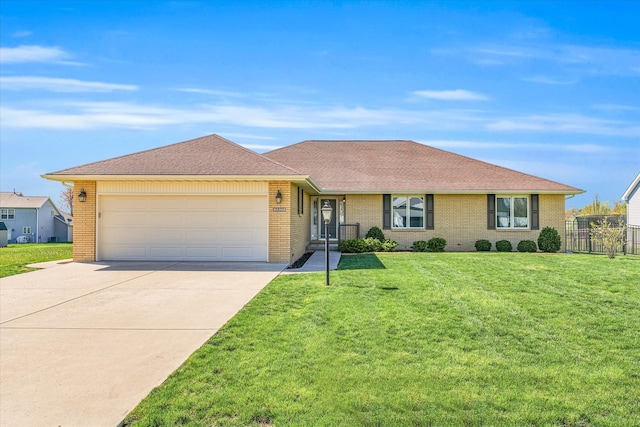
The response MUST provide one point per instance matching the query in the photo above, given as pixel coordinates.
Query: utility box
(4, 235)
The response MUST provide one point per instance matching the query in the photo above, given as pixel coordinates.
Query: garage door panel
(203, 252)
(224, 228)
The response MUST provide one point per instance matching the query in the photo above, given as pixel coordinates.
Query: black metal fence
(348, 231)
(578, 238)
(633, 240)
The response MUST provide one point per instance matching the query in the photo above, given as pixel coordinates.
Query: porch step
(318, 245)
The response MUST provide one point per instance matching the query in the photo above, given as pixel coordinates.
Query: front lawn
(422, 339)
(15, 258)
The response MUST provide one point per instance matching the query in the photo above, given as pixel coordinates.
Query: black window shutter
(535, 212)
(386, 211)
(491, 211)
(428, 200)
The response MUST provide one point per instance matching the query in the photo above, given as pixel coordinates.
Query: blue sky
(547, 88)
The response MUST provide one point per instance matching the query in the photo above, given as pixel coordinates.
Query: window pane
(399, 212)
(503, 212)
(520, 212)
(416, 212)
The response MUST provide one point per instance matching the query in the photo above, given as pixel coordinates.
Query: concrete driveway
(83, 344)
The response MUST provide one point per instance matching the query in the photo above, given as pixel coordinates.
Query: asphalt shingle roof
(336, 166)
(18, 201)
(402, 166)
(209, 155)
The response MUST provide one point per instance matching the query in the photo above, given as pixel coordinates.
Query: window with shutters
(407, 212)
(512, 212)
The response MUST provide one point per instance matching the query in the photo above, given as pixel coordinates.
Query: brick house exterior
(211, 199)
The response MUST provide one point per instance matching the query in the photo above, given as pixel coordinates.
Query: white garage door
(199, 228)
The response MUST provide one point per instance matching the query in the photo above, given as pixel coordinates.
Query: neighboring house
(211, 199)
(632, 198)
(35, 218)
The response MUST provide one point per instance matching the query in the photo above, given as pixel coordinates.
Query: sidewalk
(317, 263)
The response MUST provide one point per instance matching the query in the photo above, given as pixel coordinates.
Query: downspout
(37, 224)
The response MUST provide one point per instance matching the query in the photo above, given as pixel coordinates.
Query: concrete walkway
(83, 344)
(317, 263)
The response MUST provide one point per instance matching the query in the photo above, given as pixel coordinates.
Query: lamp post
(326, 216)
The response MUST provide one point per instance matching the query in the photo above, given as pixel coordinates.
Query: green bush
(483, 245)
(357, 246)
(504, 246)
(527, 246)
(549, 240)
(388, 245)
(436, 244)
(419, 246)
(375, 233)
(372, 245)
(352, 246)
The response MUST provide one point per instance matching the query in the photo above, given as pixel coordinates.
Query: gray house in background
(34, 219)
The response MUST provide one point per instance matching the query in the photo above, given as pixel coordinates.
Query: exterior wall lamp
(82, 196)
(278, 197)
(327, 212)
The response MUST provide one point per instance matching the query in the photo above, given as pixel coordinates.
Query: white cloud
(484, 145)
(21, 34)
(549, 81)
(60, 85)
(451, 95)
(566, 123)
(32, 54)
(222, 93)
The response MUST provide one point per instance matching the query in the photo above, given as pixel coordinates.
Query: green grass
(15, 258)
(499, 339)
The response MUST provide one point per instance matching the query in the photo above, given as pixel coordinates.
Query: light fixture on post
(327, 212)
(82, 196)
(278, 197)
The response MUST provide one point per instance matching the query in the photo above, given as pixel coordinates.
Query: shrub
(609, 236)
(357, 246)
(388, 245)
(419, 246)
(352, 246)
(436, 244)
(504, 246)
(549, 240)
(372, 245)
(483, 245)
(375, 233)
(527, 246)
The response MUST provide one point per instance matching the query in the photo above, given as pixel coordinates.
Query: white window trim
(512, 213)
(7, 214)
(408, 208)
(26, 230)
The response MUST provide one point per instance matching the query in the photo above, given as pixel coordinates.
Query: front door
(332, 225)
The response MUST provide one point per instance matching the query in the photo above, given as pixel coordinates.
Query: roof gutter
(292, 178)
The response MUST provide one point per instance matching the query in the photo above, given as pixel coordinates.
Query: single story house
(211, 199)
(33, 218)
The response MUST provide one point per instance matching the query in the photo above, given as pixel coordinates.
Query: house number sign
(280, 209)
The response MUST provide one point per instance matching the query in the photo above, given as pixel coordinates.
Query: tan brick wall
(280, 223)
(84, 222)
(460, 219)
(300, 224)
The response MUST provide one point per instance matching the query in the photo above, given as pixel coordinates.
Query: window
(512, 212)
(408, 212)
(7, 214)
(26, 230)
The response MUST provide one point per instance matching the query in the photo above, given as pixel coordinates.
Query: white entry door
(197, 228)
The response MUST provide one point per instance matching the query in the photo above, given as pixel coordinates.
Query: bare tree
(66, 200)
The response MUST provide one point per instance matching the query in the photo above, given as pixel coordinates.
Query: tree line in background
(597, 207)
